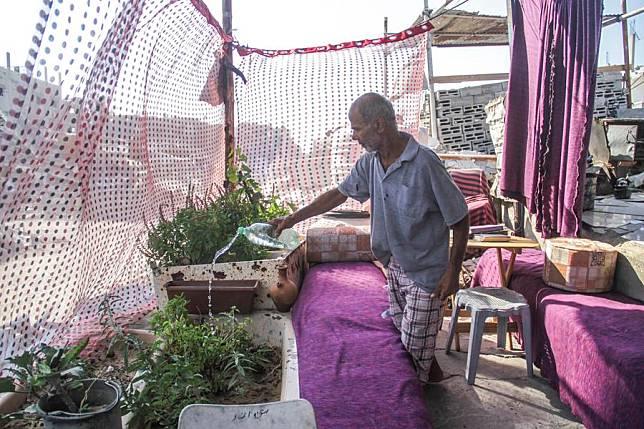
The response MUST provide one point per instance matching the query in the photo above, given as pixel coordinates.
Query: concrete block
(449, 111)
(473, 127)
(474, 133)
(463, 101)
(451, 138)
(458, 146)
(472, 90)
(617, 101)
(451, 131)
(468, 110)
(444, 103)
(462, 120)
(447, 94)
(601, 112)
(442, 122)
(485, 98)
(484, 147)
(492, 88)
(478, 141)
(629, 271)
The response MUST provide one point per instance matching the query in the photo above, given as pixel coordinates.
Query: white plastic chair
(483, 303)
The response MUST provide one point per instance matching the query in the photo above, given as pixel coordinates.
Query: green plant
(194, 362)
(114, 331)
(195, 232)
(170, 385)
(46, 372)
(221, 348)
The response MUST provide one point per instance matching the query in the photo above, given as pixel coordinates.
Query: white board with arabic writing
(272, 415)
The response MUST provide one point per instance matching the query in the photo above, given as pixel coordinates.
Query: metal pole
(509, 19)
(385, 54)
(440, 9)
(627, 67)
(430, 78)
(633, 42)
(622, 17)
(229, 93)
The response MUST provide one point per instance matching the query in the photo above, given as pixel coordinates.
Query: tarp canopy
(135, 122)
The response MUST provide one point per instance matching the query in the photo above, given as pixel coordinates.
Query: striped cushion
(473, 184)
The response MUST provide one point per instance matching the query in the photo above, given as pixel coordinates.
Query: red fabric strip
(405, 34)
(203, 9)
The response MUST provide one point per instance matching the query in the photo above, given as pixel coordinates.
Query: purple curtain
(549, 109)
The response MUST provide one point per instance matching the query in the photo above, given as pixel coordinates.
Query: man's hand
(281, 223)
(322, 204)
(447, 285)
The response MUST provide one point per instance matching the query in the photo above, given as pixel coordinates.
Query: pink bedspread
(590, 347)
(353, 367)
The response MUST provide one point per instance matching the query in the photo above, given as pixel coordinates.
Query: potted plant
(52, 379)
(181, 246)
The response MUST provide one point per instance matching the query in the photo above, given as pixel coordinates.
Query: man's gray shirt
(413, 204)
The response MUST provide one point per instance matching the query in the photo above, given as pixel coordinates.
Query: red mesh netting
(138, 116)
(291, 116)
(83, 162)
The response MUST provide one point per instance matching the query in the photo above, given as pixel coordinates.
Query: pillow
(579, 265)
(338, 243)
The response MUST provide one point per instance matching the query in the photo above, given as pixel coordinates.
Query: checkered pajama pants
(416, 315)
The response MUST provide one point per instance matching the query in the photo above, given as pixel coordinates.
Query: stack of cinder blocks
(609, 95)
(461, 117)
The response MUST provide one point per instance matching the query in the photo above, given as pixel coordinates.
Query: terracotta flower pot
(284, 291)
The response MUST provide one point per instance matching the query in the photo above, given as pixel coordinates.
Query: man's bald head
(371, 106)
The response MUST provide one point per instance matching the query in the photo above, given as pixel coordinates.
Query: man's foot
(435, 372)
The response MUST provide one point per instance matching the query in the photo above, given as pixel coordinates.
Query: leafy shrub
(171, 384)
(193, 363)
(45, 372)
(203, 226)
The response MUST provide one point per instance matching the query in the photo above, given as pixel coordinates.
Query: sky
(280, 24)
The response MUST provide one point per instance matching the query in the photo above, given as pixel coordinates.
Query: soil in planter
(25, 424)
(265, 387)
(110, 367)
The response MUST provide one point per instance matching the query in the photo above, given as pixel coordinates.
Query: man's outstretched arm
(322, 204)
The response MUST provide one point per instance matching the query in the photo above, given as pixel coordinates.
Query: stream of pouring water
(218, 255)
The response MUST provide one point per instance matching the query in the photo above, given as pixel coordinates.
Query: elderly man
(414, 203)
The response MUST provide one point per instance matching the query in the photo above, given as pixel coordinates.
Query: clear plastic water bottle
(261, 234)
(290, 238)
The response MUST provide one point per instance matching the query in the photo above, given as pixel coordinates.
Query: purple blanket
(353, 367)
(590, 347)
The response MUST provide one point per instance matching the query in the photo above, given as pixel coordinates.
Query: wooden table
(515, 245)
